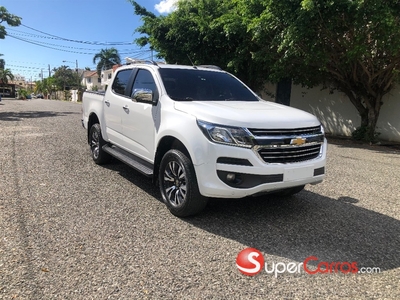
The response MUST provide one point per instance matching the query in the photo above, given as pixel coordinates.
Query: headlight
(234, 136)
(322, 129)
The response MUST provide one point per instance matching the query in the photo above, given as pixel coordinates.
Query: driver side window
(144, 80)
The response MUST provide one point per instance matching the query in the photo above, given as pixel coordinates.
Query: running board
(131, 160)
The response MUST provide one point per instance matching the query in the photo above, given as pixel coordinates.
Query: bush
(22, 94)
(363, 134)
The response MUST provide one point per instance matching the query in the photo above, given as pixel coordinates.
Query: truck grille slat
(277, 145)
(278, 132)
(296, 154)
(278, 155)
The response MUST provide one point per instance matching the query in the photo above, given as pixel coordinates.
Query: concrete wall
(74, 95)
(338, 115)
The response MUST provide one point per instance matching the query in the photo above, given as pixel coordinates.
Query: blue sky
(48, 24)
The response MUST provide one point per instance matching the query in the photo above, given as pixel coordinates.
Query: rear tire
(96, 143)
(178, 185)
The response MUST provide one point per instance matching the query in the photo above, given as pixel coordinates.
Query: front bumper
(233, 172)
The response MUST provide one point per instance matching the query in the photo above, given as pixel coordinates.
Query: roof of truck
(137, 62)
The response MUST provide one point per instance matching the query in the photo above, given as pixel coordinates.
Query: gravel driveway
(70, 229)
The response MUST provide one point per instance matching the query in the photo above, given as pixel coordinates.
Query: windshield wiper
(182, 99)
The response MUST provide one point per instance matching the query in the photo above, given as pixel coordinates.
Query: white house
(336, 112)
(91, 80)
(106, 76)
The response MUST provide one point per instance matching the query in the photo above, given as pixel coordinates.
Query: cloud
(166, 6)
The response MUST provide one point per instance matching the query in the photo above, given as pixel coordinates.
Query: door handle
(126, 108)
(107, 102)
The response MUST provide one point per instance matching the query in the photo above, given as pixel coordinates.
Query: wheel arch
(167, 143)
(93, 119)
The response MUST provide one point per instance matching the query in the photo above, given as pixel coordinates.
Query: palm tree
(2, 62)
(5, 74)
(106, 59)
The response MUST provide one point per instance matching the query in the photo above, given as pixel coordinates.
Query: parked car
(39, 96)
(201, 133)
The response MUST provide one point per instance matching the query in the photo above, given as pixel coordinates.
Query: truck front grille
(288, 145)
(289, 154)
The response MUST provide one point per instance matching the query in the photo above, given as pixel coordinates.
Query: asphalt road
(70, 229)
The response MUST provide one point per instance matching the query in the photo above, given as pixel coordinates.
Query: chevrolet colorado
(200, 132)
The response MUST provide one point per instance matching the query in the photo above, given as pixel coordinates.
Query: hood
(257, 114)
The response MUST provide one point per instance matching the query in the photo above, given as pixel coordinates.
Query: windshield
(202, 85)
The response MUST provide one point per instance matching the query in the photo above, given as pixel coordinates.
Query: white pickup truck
(199, 132)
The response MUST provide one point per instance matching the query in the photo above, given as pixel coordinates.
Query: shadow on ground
(307, 224)
(297, 227)
(384, 146)
(17, 116)
(138, 179)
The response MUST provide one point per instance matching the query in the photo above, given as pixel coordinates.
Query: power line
(38, 44)
(36, 39)
(23, 33)
(77, 41)
(70, 47)
(94, 51)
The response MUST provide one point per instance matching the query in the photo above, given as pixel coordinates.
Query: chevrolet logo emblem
(298, 141)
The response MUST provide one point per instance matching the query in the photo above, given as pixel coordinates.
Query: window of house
(89, 80)
(109, 76)
(99, 80)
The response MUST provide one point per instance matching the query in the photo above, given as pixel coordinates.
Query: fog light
(231, 177)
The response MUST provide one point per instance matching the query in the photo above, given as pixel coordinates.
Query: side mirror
(143, 95)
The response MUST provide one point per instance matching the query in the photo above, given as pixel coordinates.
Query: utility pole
(77, 76)
(77, 73)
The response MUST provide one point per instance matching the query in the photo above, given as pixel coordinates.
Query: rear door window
(121, 81)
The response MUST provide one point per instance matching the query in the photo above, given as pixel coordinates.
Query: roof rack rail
(130, 61)
(210, 67)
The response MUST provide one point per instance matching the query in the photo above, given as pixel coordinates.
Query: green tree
(5, 75)
(2, 62)
(10, 19)
(64, 77)
(105, 59)
(352, 46)
(45, 86)
(202, 32)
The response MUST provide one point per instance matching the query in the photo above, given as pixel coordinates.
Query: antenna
(191, 61)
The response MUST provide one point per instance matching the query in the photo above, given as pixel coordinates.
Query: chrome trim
(290, 154)
(282, 137)
(292, 131)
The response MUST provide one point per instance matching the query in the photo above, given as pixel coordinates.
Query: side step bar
(131, 160)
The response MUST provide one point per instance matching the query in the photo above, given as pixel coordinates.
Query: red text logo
(330, 267)
(250, 261)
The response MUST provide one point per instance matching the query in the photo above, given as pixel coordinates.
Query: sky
(54, 31)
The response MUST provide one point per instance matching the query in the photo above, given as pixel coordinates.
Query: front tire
(96, 143)
(178, 185)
